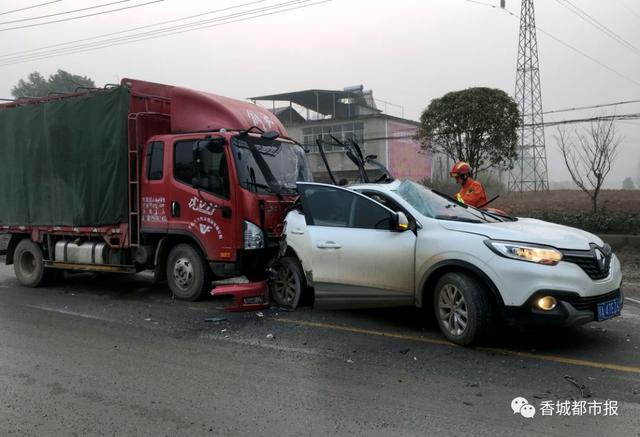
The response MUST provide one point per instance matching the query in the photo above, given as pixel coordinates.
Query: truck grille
(596, 266)
(590, 303)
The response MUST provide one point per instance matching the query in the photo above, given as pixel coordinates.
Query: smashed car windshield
(432, 205)
(287, 163)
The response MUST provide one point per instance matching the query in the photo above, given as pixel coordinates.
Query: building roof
(327, 102)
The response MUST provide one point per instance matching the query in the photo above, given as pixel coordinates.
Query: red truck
(144, 176)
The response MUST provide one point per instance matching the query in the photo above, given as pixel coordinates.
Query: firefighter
(472, 192)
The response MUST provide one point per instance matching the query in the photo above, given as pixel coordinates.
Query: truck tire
(187, 274)
(462, 308)
(287, 282)
(28, 264)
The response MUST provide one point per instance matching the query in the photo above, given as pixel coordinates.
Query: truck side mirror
(402, 222)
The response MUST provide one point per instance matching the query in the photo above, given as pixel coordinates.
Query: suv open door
(345, 233)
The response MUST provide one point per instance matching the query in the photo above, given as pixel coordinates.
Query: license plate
(608, 309)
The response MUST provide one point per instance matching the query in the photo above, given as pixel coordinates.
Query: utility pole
(530, 169)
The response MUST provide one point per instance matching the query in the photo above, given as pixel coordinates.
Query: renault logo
(601, 260)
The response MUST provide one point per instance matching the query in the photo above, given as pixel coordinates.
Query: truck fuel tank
(89, 252)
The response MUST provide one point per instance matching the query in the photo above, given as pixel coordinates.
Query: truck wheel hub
(183, 272)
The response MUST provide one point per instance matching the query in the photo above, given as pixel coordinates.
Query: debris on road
(584, 391)
(404, 351)
(215, 319)
(259, 314)
(350, 361)
(270, 336)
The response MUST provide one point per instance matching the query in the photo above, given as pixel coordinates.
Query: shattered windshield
(286, 161)
(432, 205)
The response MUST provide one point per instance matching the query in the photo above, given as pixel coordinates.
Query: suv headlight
(526, 252)
(253, 236)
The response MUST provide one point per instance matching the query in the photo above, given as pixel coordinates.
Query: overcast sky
(407, 51)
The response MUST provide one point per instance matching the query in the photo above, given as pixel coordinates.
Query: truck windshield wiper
(285, 190)
(456, 218)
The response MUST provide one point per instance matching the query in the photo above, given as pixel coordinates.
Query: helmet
(460, 168)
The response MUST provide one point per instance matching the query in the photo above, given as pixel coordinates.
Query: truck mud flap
(246, 297)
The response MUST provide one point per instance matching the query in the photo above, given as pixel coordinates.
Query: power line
(140, 36)
(167, 32)
(634, 116)
(598, 25)
(63, 13)
(8, 55)
(561, 42)
(592, 106)
(29, 7)
(81, 16)
(590, 57)
(629, 9)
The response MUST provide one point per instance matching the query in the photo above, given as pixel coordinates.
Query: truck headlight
(253, 236)
(526, 252)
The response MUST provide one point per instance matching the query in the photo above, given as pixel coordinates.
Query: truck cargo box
(64, 162)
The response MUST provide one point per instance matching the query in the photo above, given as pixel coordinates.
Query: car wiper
(452, 199)
(456, 218)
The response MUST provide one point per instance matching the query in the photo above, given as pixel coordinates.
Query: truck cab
(208, 183)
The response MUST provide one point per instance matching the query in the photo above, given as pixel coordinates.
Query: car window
(214, 171)
(369, 215)
(388, 202)
(332, 206)
(155, 161)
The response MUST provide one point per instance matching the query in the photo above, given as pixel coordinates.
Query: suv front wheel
(462, 308)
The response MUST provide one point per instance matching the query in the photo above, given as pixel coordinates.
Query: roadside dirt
(568, 201)
(630, 259)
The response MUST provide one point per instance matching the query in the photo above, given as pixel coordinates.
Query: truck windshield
(433, 205)
(286, 161)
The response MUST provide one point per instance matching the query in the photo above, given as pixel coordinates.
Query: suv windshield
(286, 161)
(435, 206)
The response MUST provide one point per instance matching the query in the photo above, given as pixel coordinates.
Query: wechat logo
(521, 406)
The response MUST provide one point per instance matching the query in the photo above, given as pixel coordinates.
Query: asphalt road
(115, 355)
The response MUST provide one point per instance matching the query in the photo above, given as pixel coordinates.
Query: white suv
(399, 243)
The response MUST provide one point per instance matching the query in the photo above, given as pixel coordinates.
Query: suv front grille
(590, 303)
(589, 262)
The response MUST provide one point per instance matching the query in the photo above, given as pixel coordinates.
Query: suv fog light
(546, 303)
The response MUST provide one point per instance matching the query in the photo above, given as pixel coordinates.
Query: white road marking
(632, 300)
(72, 313)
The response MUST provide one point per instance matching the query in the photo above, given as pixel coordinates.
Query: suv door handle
(297, 231)
(328, 245)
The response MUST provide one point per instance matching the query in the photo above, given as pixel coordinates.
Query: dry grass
(568, 201)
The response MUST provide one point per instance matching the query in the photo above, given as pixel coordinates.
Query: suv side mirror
(402, 222)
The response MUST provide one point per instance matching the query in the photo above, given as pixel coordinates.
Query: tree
(476, 125)
(589, 155)
(627, 184)
(37, 86)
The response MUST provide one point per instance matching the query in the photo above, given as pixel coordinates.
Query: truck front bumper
(571, 309)
(248, 296)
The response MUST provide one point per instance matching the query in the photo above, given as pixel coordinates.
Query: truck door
(200, 200)
(358, 259)
(153, 201)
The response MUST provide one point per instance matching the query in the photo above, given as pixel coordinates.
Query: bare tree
(589, 155)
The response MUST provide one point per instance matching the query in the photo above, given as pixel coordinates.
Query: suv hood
(529, 230)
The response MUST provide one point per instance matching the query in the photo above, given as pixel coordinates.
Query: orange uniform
(472, 193)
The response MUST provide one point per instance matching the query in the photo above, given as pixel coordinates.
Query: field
(568, 201)
(618, 210)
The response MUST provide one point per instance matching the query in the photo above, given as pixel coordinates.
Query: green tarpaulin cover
(64, 163)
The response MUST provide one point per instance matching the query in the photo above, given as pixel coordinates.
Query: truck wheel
(287, 282)
(462, 308)
(28, 264)
(187, 274)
